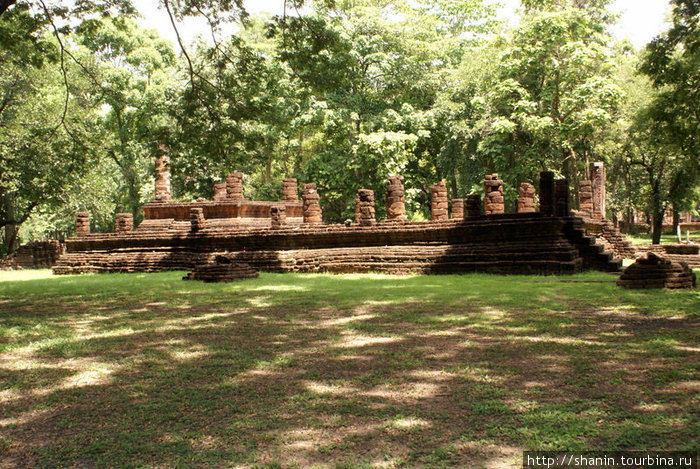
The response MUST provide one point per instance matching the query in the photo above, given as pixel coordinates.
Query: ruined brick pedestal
(547, 193)
(162, 190)
(278, 217)
(290, 190)
(395, 199)
(197, 220)
(124, 222)
(585, 198)
(438, 202)
(312, 204)
(365, 207)
(561, 198)
(656, 272)
(457, 209)
(219, 192)
(473, 205)
(82, 223)
(222, 270)
(526, 198)
(234, 186)
(493, 195)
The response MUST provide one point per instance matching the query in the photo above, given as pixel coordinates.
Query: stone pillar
(473, 205)
(585, 198)
(162, 192)
(219, 191)
(526, 198)
(395, 199)
(124, 222)
(278, 217)
(562, 208)
(290, 190)
(547, 193)
(357, 207)
(312, 204)
(458, 209)
(82, 223)
(234, 186)
(598, 189)
(365, 207)
(493, 195)
(438, 201)
(197, 220)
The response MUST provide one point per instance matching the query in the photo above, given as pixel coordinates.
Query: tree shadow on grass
(349, 371)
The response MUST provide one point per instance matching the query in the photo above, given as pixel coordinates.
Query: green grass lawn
(340, 371)
(637, 239)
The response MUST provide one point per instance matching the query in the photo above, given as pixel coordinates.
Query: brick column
(493, 195)
(82, 223)
(561, 198)
(219, 191)
(162, 191)
(395, 199)
(290, 190)
(473, 205)
(124, 222)
(598, 186)
(234, 186)
(438, 201)
(197, 219)
(526, 198)
(312, 204)
(547, 193)
(458, 209)
(585, 198)
(365, 207)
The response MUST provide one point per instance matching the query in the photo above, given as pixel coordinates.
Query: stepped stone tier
(395, 199)
(290, 190)
(493, 195)
(222, 270)
(585, 198)
(438, 202)
(162, 190)
(526, 198)
(278, 217)
(181, 236)
(312, 204)
(219, 191)
(457, 209)
(365, 207)
(473, 205)
(654, 271)
(561, 198)
(123, 222)
(597, 171)
(34, 255)
(82, 223)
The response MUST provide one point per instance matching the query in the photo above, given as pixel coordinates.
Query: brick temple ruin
(289, 236)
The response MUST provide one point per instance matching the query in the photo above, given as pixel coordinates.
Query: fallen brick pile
(222, 270)
(654, 271)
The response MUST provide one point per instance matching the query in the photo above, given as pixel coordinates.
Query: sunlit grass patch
(291, 370)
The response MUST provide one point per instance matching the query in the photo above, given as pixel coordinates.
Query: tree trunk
(657, 224)
(11, 226)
